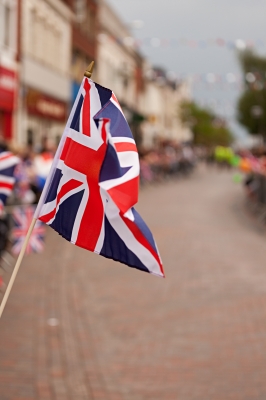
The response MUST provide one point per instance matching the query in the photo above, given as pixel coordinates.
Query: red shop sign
(45, 106)
(7, 88)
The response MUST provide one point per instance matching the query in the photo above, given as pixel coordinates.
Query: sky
(188, 30)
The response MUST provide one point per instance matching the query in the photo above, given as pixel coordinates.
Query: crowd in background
(250, 162)
(167, 159)
(254, 165)
(31, 172)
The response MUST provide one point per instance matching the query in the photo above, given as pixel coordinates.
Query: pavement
(80, 327)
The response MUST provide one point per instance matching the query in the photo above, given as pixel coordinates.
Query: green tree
(207, 129)
(251, 108)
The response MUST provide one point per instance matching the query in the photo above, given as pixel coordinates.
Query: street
(78, 326)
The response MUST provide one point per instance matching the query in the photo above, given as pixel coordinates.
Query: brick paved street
(79, 327)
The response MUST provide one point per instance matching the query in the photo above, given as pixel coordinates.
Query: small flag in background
(42, 165)
(93, 184)
(22, 217)
(8, 163)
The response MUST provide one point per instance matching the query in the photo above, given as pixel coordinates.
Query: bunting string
(212, 80)
(221, 43)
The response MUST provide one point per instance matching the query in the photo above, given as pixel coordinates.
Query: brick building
(84, 40)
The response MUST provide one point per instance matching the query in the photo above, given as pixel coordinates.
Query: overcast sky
(198, 20)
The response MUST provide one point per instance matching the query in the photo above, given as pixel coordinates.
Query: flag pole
(16, 268)
(88, 74)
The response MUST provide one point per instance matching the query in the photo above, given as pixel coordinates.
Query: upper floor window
(80, 9)
(7, 18)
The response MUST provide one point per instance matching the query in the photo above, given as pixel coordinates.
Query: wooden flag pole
(16, 268)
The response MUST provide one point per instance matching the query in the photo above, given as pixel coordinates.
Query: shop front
(46, 118)
(8, 84)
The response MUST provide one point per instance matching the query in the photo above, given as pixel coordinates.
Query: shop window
(57, 140)
(30, 137)
(44, 143)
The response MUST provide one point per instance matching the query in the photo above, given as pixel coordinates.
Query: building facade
(120, 65)
(8, 67)
(45, 67)
(160, 102)
(55, 40)
(149, 99)
(84, 40)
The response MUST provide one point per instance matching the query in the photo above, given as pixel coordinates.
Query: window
(80, 9)
(30, 137)
(7, 15)
(34, 33)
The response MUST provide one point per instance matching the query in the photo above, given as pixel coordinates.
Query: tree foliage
(251, 107)
(207, 129)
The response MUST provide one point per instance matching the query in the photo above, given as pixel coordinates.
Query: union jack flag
(8, 163)
(93, 183)
(22, 217)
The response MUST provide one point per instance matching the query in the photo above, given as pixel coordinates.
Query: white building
(45, 70)
(8, 66)
(160, 103)
(183, 93)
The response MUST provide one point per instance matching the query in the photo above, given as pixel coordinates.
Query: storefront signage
(45, 106)
(7, 88)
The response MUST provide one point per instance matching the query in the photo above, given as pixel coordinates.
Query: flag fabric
(22, 218)
(92, 187)
(8, 163)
